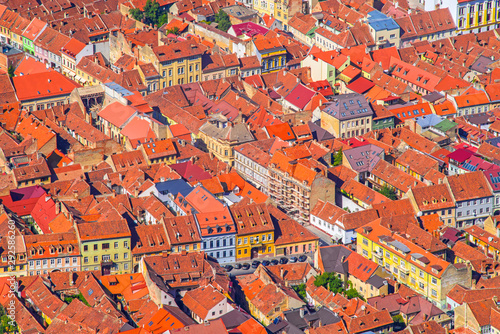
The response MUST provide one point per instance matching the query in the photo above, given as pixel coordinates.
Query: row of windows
(245, 251)
(474, 202)
(269, 237)
(45, 272)
(355, 123)
(354, 133)
(472, 8)
(473, 110)
(32, 263)
(186, 247)
(105, 246)
(179, 81)
(115, 267)
(224, 254)
(106, 258)
(474, 212)
(217, 243)
(180, 70)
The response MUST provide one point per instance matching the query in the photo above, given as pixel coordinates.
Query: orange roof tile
(29, 87)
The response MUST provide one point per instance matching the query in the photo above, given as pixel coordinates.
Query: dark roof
(174, 187)
(332, 259)
(326, 316)
(481, 64)
(348, 106)
(433, 97)
(283, 327)
(319, 133)
(234, 318)
(376, 281)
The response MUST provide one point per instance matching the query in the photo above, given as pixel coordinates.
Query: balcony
(404, 270)
(378, 255)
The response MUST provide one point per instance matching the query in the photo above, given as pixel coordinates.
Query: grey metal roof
(400, 246)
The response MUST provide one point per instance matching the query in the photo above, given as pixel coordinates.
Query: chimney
(302, 313)
(282, 272)
(71, 279)
(58, 207)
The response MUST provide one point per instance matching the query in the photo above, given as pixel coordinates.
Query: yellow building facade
(476, 16)
(411, 265)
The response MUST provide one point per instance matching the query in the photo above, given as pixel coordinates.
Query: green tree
(301, 290)
(331, 282)
(222, 20)
(337, 158)
(10, 71)
(398, 318)
(174, 30)
(388, 192)
(79, 296)
(151, 12)
(136, 14)
(6, 325)
(353, 293)
(162, 20)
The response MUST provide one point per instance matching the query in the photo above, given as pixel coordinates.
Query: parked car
(283, 260)
(274, 262)
(255, 264)
(302, 258)
(265, 263)
(245, 266)
(228, 267)
(293, 259)
(237, 266)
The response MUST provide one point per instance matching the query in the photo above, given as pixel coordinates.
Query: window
(95, 247)
(105, 245)
(365, 242)
(421, 285)
(125, 244)
(434, 293)
(245, 240)
(85, 260)
(125, 255)
(434, 281)
(421, 274)
(115, 256)
(365, 253)
(96, 259)
(85, 248)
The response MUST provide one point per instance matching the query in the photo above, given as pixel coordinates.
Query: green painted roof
(445, 125)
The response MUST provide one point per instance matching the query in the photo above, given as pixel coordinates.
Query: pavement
(237, 272)
(324, 239)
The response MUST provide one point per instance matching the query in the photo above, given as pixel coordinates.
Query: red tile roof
(43, 85)
(117, 113)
